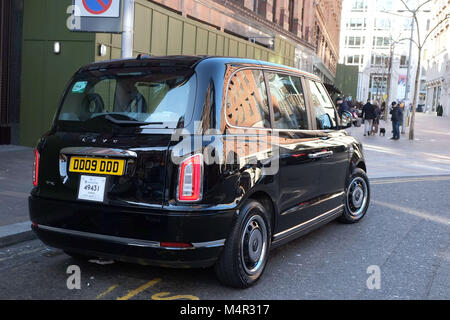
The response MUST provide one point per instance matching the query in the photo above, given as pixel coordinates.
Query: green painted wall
(45, 74)
(347, 79)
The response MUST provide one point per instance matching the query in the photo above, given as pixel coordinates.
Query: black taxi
(194, 161)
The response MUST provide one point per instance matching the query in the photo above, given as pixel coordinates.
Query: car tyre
(357, 197)
(245, 255)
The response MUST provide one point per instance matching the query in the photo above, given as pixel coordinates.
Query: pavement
(16, 166)
(428, 154)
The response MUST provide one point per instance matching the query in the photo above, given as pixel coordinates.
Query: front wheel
(246, 251)
(357, 197)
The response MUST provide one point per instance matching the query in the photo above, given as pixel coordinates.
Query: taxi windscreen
(154, 98)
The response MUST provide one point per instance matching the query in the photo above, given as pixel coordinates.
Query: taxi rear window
(149, 97)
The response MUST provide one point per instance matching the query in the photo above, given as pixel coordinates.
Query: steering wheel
(92, 103)
(138, 104)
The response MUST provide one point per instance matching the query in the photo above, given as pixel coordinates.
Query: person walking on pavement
(396, 118)
(368, 114)
(376, 120)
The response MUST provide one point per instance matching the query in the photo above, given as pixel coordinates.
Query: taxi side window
(322, 108)
(247, 103)
(288, 102)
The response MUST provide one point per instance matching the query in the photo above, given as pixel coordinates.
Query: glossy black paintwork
(142, 204)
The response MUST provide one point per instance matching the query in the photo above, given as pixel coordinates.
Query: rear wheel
(357, 197)
(246, 251)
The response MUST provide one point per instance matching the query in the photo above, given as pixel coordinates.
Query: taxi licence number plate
(97, 166)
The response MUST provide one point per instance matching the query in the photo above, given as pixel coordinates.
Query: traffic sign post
(128, 28)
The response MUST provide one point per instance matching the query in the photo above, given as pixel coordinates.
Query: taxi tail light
(190, 179)
(36, 168)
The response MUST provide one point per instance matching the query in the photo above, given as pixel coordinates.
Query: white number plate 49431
(92, 188)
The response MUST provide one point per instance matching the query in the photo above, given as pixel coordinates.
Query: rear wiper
(134, 123)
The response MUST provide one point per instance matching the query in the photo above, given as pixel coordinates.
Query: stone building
(436, 66)
(313, 25)
(375, 37)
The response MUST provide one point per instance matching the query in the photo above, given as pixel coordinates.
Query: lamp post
(408, 73)
(128, 28)
(389, 78)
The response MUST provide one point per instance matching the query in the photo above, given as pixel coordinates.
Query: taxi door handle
(322, 154)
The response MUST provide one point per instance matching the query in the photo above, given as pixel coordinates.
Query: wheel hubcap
(254, 244)
(357, 196)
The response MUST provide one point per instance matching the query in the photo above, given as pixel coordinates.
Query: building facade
(298, 33)
(375, 37)
(313, 25)
(437, 60)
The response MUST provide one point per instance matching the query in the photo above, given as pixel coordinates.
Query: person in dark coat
(342, 106)
(376, 120)
(396, 118)
(368, 114)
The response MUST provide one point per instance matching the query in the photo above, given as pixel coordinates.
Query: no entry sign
(98, 8)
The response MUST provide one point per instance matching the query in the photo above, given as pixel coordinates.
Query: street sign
(99, 8)
(96, 16)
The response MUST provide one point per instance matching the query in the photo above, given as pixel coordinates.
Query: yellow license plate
(97, 166)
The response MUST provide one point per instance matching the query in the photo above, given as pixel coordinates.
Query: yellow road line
(131, 294)
(165, 296)
(101, 295)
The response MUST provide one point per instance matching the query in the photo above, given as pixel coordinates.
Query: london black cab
(194, 161)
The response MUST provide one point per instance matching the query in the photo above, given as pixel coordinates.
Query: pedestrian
(342, 106)
(396, 118)
(368, 114)
(383, 109)
(439, 110)
(376, 120)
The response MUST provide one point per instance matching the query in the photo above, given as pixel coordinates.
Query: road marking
(163, 296)
(438, 155)
(412, 179)
(131, 294)
(420, 214)
(101, 295)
